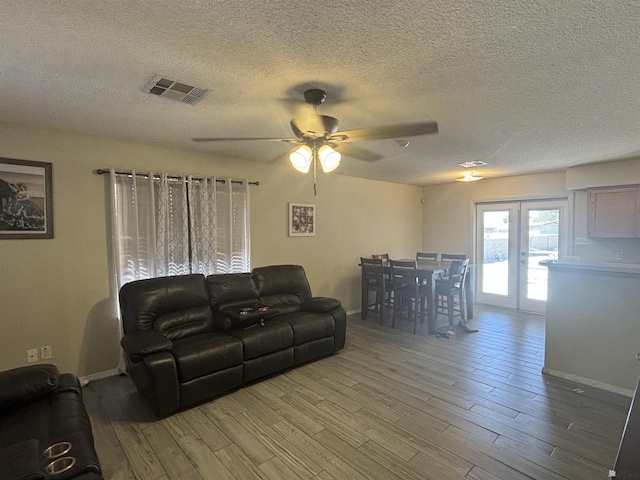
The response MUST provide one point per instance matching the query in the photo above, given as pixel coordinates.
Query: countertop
(609, 267)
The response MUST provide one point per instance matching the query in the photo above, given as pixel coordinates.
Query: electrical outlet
(581, 241)
(45, 352)
(32, 355)
(619, 256)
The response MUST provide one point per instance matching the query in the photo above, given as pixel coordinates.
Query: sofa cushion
(184, 323)
(313, 350)
(282, 279)
(268, 364)
(203, 354)
(22, 460)
(176, 306)
(308, 326)
(24, 384)
(260, 340)
(231, 289)
(320, 304)
(284, 302)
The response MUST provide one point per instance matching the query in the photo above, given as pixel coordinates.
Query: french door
(511, 240)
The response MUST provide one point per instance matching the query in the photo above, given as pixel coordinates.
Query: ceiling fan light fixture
(469, 177)
(300, 158)
(329, 158)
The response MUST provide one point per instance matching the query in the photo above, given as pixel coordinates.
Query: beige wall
(448, 220)
(57, 292)
(626, 172)
(448, 226)
(592, 331)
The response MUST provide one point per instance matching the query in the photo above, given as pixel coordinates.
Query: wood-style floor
(390, 406)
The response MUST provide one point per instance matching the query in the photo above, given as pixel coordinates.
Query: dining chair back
(374, 280)
(426, 256)
(407, 291)
(450, 291)
(383, 256)
(449, 257)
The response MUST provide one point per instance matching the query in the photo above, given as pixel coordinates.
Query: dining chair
(407, 291)
(374, 280)
(426, 256)
(385, 258)
(450, 288)
(449, 257)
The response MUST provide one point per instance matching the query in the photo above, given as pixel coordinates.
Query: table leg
(365, 297)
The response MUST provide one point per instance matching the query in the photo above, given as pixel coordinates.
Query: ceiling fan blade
(387, 131)
(355, 152)
(307, 120)
(286, 140)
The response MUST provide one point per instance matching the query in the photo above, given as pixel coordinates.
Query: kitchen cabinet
(613, 212)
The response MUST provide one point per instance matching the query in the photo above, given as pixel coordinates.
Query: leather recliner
(185, 343)
(41, 408)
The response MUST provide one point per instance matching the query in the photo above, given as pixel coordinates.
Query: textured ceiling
(527, 85)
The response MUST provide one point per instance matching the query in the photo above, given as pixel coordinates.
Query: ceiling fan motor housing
(315, 96)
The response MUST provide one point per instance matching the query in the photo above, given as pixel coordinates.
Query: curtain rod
(101, 171)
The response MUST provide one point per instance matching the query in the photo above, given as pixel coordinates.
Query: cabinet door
(614, 212)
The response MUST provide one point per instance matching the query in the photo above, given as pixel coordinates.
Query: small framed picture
(302, 220)
(26, 206)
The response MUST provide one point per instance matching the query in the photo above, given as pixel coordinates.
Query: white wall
(57, 292)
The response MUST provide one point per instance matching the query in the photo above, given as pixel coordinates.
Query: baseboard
(99, 376)
(589, 382)
(353, 312)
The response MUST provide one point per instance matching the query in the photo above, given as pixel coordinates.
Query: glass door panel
(511, 240)
(497, 229)
(541, 240)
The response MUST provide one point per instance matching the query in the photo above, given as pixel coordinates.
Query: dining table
(428, 272)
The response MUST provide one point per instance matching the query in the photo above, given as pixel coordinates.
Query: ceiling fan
(319, 136)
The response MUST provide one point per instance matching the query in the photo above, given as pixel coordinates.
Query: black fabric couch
(187, 341)
(41, 408)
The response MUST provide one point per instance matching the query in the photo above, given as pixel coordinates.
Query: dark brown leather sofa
(41, 408)
(186, 340)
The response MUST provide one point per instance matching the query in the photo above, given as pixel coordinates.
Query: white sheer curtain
(176, 225)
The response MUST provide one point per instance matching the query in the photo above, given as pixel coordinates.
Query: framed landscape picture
(26, 207)
(302, 220)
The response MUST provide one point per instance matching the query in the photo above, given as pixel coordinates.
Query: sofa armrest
(139, 343)
(320, 304)
(27, 383)
(68, 382)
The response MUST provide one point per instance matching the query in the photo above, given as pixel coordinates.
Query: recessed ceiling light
(472, 163)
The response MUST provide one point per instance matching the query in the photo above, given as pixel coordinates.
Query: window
(175, 225)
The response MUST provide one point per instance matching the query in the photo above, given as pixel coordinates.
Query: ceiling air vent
(175, 90)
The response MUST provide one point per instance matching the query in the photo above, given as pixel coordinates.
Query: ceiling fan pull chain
(315, 156)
